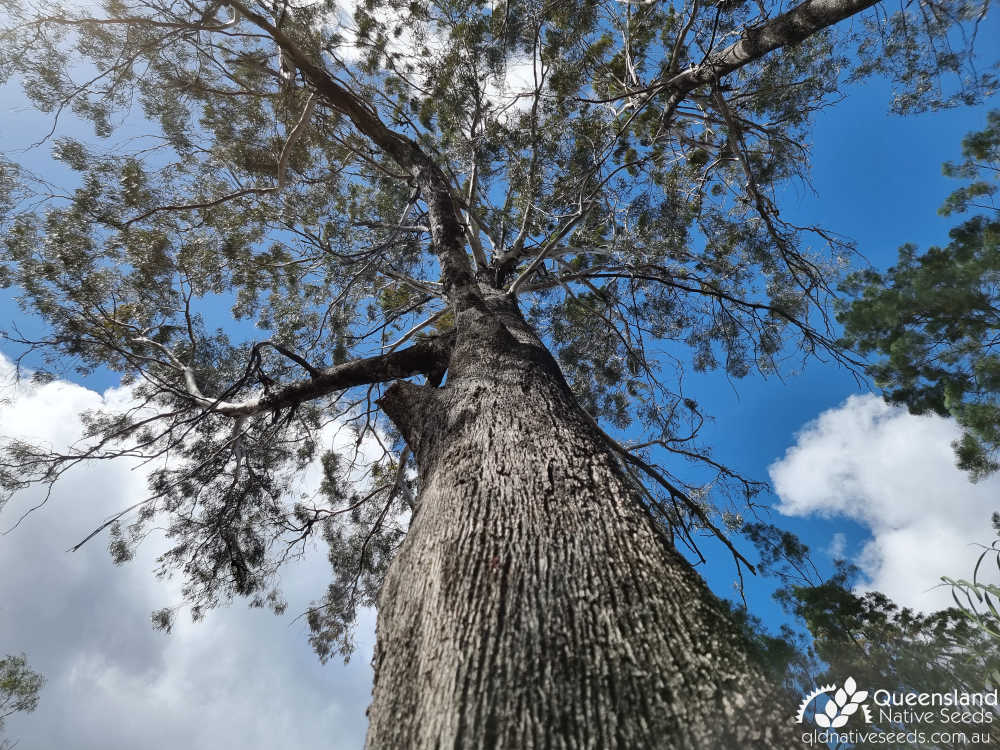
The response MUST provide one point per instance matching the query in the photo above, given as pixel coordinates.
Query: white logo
(839, 708)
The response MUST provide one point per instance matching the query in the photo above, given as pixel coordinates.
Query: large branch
(447, 231)
(427, 357)
(785, 30)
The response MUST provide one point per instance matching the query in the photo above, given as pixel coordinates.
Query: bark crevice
(413, 409)
(533, 603)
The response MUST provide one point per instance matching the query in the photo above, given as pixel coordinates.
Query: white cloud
(894, 473)
(241, 678)
(515, 92)
(838, 546)
(509, 94)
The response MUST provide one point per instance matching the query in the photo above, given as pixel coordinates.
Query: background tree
(934, 319)
(19, 688)
(980, 600)
(551, 205)
(841, 634)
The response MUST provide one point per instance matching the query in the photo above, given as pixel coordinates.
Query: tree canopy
(933, 318)
(19, 687)
(283, 206)
(837, 632)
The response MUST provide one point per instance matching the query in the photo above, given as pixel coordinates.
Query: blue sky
(863, 471)
(877, 180)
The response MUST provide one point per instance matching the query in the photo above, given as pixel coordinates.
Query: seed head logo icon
(841, 704)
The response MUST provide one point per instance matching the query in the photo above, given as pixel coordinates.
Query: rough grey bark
(785, 30)
(427, 357)
(533, 603)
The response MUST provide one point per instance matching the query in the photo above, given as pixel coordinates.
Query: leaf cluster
(232, 230)
(933, 318)
(19, 688)
(839, 633)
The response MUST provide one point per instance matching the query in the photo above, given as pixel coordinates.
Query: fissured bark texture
(533, 603)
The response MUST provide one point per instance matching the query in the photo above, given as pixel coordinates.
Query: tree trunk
(533, 603)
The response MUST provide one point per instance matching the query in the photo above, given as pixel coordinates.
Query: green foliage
(979, 600)
(877, 643)
(866, 636)
(923, 55)
(19, 688)
(933, 318)
(230, 229)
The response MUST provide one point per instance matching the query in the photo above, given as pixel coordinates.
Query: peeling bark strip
(533, 604)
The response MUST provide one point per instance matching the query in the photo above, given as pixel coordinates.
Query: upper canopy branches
(333, 183)
(313, 164)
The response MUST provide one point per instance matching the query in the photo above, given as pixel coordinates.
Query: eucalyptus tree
(933, 318)
(19, 687)
(470, 232)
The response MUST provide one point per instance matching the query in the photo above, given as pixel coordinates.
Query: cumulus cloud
(895, 474)
(510, 93)
(241, 678)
